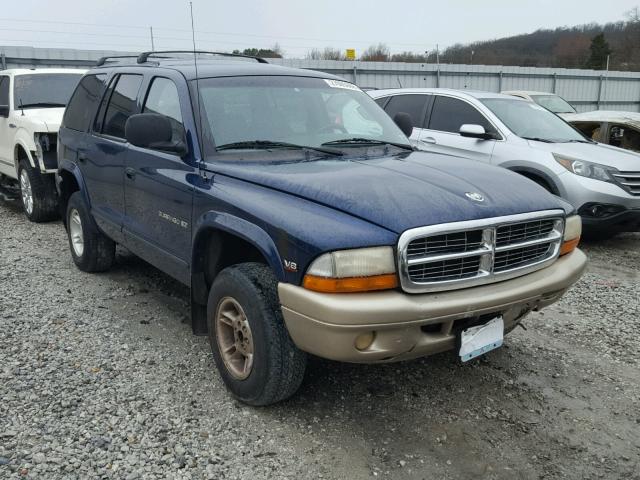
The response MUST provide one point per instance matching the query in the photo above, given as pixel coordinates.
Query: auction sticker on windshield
(476, 341)
(340, 84)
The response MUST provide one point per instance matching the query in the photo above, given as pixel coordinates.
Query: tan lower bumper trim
(327, 324)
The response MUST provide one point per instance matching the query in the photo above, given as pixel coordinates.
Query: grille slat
(491, 250)
(629, 181)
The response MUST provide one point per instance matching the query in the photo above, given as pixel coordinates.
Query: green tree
(600, 50)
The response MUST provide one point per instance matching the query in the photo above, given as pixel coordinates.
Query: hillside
(569, 47)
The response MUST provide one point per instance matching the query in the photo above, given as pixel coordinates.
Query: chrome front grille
(630, 181)
(462, 254)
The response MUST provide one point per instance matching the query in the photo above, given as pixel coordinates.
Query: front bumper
(582, 192)
(625, 221)
(409, 326)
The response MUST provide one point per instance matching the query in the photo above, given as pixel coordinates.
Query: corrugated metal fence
(585, 89)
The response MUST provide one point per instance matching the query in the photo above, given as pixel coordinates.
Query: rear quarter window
(84, 102)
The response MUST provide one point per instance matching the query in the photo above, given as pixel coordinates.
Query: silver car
(601, 181)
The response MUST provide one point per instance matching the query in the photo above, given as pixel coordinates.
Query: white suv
(601, 181)
(32, 103)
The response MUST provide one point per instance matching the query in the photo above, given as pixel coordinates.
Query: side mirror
(474, 131)
(403, 120)
(4, 111)
(153, 131)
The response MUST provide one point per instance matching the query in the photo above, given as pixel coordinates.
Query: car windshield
(44, 90)
(531, 121)
(265, 112)
(553, 103)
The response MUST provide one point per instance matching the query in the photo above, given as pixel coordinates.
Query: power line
(205, 32)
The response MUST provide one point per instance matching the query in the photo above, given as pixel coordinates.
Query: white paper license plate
(476, 341)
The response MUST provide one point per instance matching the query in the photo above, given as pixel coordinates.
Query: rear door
(102, 161)
(158, 187)
(413, 104)
(442, 135)
(7, 132)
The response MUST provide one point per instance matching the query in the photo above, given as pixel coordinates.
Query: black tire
(98, 250)
(278, 365)
(43, 194)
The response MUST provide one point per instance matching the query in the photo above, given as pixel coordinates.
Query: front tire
(38, 193)
(251, 346)
(91, 250)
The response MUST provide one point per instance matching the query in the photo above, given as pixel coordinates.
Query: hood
(38, 118)
(623, 160)
(401, 191)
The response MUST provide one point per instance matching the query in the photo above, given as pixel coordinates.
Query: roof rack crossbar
(143, 57)
(103, 60)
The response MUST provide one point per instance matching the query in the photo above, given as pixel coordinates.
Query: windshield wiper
(371, 141)
(42, 104)
(579, 141)
(538, 139)
(267, 144)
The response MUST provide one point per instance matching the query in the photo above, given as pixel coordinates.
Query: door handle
(82, 158)
(12, 125)
(130, 173)
(430, 140)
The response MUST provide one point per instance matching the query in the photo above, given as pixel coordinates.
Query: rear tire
(256, 358)
(38, 193)
(91, 250)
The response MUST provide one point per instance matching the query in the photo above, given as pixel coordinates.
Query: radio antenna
(195, 65)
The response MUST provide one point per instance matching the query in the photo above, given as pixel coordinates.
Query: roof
(36, 71)
(462, 93)
(219, 68)
(612, 116)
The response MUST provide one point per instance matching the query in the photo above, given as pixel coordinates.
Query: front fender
(244, 229)
(25, 140)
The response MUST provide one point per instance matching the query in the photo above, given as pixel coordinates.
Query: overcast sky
(297, 25)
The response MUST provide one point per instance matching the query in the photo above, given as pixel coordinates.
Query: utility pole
(604, 87)
(471, 57)
(152, 44)
(437, 54)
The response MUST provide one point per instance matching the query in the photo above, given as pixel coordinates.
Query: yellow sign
(351, 54)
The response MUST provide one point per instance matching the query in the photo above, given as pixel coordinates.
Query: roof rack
(103, 60)
(143, 57)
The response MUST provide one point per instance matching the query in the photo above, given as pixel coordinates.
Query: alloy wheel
(235, 341)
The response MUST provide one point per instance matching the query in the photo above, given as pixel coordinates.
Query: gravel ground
(100, 377)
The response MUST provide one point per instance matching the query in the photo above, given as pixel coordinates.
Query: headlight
(359, 270)
(584, 168)
(572, 233)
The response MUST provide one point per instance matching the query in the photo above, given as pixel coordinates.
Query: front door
(442, 135)
(158, 191)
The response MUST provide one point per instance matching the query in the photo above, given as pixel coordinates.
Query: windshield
(301, 111)
(44, 89)
(553, 103)
(531, 121)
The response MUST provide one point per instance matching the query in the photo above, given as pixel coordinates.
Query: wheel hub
(234, 338)
(75, 232)
(25, 190)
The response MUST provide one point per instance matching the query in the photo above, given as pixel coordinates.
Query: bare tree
(328, 53)
(376, 53)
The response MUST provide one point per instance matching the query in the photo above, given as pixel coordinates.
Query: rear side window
(414, 105)
(84, 102)
(163, 99)
(449, 114)
(4, 90)
(122, 105)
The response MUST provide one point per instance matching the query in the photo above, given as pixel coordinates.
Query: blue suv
(301, 218)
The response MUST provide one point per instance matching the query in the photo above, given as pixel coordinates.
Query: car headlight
(358, 270)
(584, 168)
(572, 234)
